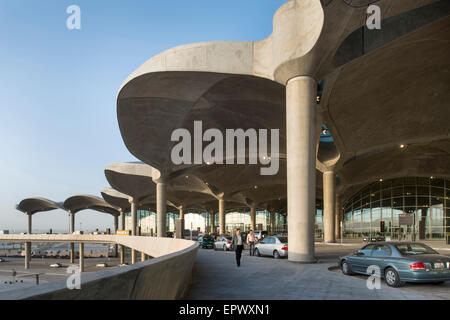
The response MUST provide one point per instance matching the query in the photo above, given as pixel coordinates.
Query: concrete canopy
(116, 198)
(34, 205)
(133, 179)
(79, 203)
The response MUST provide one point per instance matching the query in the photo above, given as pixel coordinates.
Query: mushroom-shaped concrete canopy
(134, 179)
(116, 198)
(31, 206)
(88, 202)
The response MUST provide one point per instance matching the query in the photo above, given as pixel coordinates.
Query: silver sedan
(272, 246)
(223, 243)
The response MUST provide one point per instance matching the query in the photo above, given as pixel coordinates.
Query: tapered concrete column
(213, 221)
(253, 218)
(337, 218)
(143, 257)
(81, 257)
(122, 248)
(329, 203)
(27, 255)
(222, 216)
(181, 211)
(133, 226)
(116, 228)
(161, 207)
(272, 222)
(71, 231)
(28, 244)
(30, 217)
(301, 96)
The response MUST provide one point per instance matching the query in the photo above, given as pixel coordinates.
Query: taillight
(417, 266)
(229, 242)
(284, 248)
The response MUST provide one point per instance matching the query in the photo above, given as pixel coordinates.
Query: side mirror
(359, 253)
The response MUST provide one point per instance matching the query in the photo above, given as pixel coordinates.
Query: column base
(306, 260)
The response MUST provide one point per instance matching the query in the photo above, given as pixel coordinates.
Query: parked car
(206, 242)
(377, 238)
(56, 265)
(399, 262)
(259, 234)
(276, 247)
(2, 260)
(223, 243)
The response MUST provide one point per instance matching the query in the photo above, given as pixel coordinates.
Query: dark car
(206, 242)
(399, 262)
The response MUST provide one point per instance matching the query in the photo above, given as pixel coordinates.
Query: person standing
(238, 245)
(251, 239)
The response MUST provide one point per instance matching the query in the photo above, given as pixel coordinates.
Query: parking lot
(217, 277)
(27, 278)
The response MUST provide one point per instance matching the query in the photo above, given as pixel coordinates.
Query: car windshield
(283, 239)
(207, 238)
(411, 249)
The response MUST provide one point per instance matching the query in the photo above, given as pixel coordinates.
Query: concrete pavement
(217, 277)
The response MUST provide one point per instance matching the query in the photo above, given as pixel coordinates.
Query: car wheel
(225, 247)
(256, 252)
(392, 278)
(215, 248)
(276, 255)
(346, 268)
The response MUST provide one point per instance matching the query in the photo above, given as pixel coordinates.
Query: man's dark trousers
(239, 254)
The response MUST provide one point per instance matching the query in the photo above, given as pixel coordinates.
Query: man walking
(238, 245)
(251, 239)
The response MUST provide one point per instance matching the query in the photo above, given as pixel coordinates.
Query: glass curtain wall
(377, 207)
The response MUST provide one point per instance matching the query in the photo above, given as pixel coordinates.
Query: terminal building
(363, 121)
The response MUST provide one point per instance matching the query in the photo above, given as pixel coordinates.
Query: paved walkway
(217, 277)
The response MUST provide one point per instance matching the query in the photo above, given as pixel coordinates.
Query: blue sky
(58, 125)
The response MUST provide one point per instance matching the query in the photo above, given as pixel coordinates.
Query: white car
(272, 246)
(223, 243)
(259, 234)
(56, 265)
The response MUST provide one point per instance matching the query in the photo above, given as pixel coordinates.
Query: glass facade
(147, 222)
(379, 207)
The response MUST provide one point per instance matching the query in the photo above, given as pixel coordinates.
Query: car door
(378, 257)
(357, 261)
(262, 246)
(270, 246)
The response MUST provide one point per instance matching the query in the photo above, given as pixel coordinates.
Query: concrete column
(133, 216)
(133, 226)
(329, 205)
(272, 222)
(301, 96)
(222, 216)
(161, 208)
(116, 228)
(27, 255)
(213, 222)
(30, 217)
(143, 257)
(81, 257)
(71, 231)
(337, 218)
(122, 225)
(253, 218)
(181, 211)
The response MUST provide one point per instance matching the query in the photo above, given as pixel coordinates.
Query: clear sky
(58, 87)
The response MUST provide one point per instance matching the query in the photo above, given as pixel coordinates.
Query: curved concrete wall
(166, 277)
